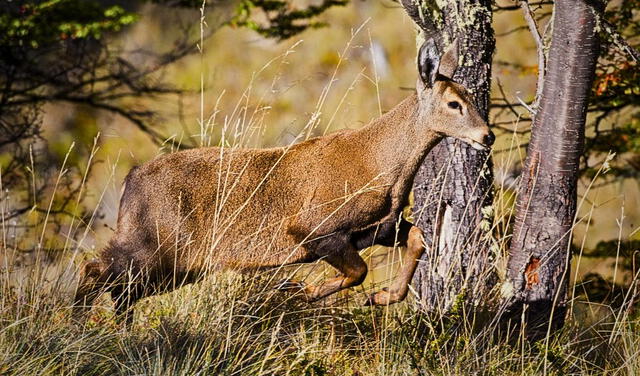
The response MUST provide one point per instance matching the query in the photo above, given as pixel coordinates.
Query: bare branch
(509, 105)
(533, 27)
(516, 7)
(618, 40)
(511, 31)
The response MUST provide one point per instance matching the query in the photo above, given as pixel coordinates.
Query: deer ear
(449, 61)
(428, 62)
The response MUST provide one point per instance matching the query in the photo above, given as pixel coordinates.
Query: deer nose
(489, 139)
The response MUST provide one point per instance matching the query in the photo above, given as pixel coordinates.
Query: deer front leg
(400, 286)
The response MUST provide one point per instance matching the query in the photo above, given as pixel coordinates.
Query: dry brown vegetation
(261, 93)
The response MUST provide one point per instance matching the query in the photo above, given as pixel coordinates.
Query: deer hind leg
(353, 269)
(89, 287)
(400, 285)
(97, 278)
(349, 264)
(125, 295)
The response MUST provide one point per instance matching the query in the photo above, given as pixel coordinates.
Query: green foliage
(282, 20)
(41, 23)
(615, 97)
(37, 24)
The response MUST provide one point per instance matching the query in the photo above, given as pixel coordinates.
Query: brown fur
(188, 212)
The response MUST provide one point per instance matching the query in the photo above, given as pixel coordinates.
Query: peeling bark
(539, 256)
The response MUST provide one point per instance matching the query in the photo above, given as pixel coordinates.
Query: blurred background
(183, 75)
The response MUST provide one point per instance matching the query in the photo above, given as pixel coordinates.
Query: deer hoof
(382, 297)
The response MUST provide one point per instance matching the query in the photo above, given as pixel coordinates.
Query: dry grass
(235, 324)
(238, 325)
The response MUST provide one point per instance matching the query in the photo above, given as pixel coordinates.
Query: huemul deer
(325, 198)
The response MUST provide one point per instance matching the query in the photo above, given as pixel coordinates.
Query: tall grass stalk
(237, 324)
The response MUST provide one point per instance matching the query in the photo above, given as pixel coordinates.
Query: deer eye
(454, 105)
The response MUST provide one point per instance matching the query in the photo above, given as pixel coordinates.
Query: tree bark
(454, 183)
(538, 267)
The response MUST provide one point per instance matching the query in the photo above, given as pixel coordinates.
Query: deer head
(446, 107)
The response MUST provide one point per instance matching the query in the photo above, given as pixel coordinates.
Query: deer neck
(396, 148)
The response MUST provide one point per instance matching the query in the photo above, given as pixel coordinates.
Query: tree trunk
(538, 267)
(454, 183)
